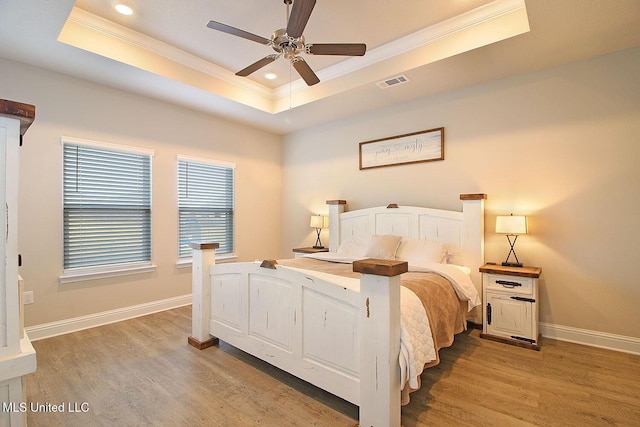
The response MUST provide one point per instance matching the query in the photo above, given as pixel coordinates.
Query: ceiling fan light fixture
(290, 52)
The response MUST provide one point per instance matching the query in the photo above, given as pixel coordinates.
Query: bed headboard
(461, 232)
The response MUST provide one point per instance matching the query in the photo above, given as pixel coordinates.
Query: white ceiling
(166, 51)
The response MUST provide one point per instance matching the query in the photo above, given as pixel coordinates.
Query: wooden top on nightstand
(310, 250)
(513, 271)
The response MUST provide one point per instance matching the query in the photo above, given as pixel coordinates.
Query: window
(205, 204)
(107, 206)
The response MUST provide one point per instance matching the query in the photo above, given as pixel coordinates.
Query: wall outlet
(27, 297)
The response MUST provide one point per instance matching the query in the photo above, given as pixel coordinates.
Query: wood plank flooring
(142, 372)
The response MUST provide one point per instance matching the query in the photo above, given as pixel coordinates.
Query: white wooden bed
(342, 340)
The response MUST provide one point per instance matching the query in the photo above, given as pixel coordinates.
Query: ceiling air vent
(394, 81)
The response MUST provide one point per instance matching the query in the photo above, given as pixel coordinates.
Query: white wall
(559, 145)
(73, 107)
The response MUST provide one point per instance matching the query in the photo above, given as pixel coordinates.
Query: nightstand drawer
(514, 284)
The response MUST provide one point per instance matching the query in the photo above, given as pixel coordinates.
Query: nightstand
(298, 252)
(510, 296)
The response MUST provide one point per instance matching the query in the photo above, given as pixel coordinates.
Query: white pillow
(420, 252)
(383, 246)
(355, 246)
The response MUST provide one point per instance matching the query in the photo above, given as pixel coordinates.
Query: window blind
(107, 206)
(205, 205)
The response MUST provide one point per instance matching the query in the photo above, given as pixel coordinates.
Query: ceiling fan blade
(237, 32)
(305, 71)
(300, 13)
(256, 65)
(345, 49)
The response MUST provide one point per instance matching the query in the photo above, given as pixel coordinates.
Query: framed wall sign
(416, 147)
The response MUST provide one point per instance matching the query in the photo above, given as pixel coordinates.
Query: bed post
(379, 341)
(336, 207)
(204, 257)
(473, 240)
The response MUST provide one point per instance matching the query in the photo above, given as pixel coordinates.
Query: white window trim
(95, 273)
(206, 161)
(220, 258)
(106, 145)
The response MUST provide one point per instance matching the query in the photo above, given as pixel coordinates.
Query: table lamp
(511, 225)
(319, 222)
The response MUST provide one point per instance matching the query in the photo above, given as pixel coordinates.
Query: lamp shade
(319, 221)
(511, 224)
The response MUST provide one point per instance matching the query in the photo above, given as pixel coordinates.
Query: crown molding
(118, 32)
(439, 33)
(442, 30)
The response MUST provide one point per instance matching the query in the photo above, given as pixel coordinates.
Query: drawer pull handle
(508, 284)
(523, 299)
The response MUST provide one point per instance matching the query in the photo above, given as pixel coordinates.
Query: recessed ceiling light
(123, 8)
(270, 76)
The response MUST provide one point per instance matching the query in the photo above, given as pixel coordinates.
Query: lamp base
(506, 262)
(512, 264)
(318, 244)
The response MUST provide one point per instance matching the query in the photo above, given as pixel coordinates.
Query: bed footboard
(344, 341)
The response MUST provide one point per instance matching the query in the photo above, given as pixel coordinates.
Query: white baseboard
(591, 338)
(48, 330)
(559, 332)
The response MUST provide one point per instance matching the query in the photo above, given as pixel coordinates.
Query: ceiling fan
(289, 42)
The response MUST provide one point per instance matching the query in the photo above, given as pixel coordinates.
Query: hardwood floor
(142, 372)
